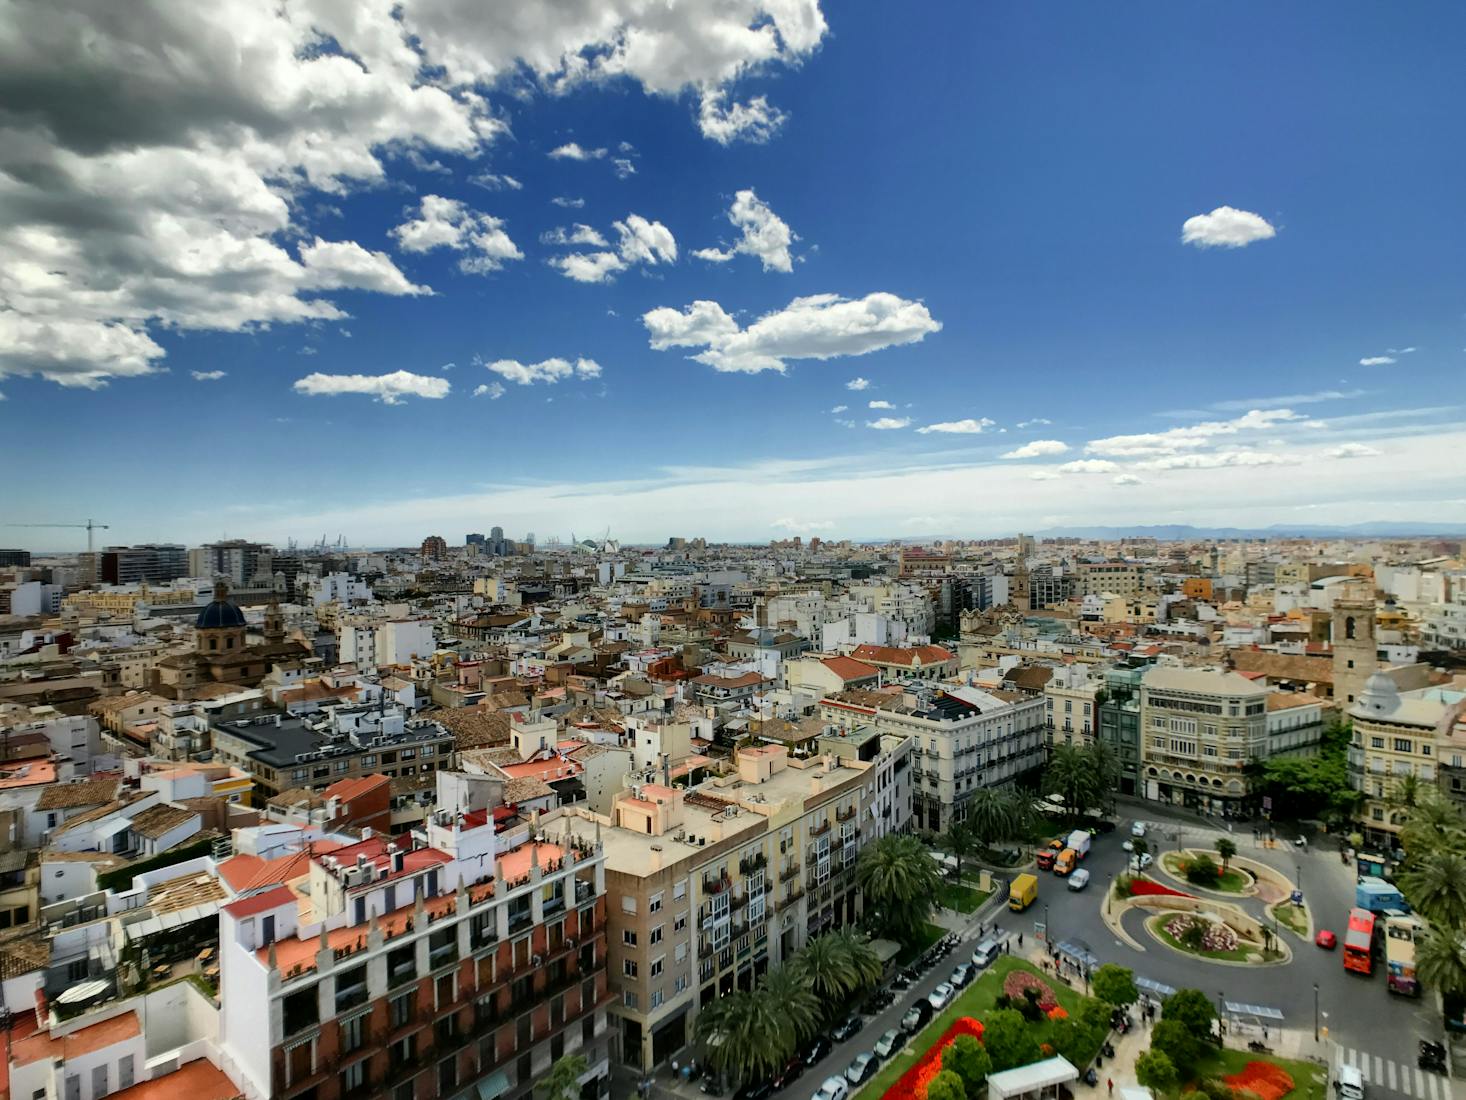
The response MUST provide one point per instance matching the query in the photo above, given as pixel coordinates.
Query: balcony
(785, 903)
(846, 814)
(821, 829)
(792, 871)
(715, 884)
(750, 864)
(402, 975)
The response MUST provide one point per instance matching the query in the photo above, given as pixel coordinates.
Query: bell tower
(1356, 653)
(274, 622)
(1018, 588)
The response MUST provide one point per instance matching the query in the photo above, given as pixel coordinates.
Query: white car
(1079, 879)
(941, 996)
(1141, 862)
(1137, 828)
(888, 1044)
(833, 1088)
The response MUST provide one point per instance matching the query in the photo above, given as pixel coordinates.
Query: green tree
(969, 1060)
(946, 1085)
(1009, 1040)
(992, 815)
(1440, 960)
(1071, 1039)
(861, 963)
(745, 1036)
(899, 879)
(1435, 883)
(788, 991)
(1105, 767)
(961, 841)
(1226, 848)
(825, 966)
(1155, 1071)
(1070, 774)
(1203, 870)
(1178, 1044)
(1192, 1010)
(1114, 984)
(563, 1080)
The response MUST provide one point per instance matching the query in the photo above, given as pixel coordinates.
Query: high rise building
(149, 563)
(473, 540)
(434, 547)
(15, 557)
(239, 562)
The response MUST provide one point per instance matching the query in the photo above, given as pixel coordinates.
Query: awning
(1160, 989)
(1031, 1078)
(1261, 1012)
(495, 1084)
(1079, 951)
(157, 924)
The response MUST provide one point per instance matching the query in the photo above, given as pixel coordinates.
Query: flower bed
(912, 1084)
(1218, 936)
(1143, 886)
(1015, 983)
(1263, 1079)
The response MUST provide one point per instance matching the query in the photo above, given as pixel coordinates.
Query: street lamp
(1048, 932)
(1315, 1012)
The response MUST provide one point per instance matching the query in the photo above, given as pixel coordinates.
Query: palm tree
(961, 841)
(1070, 773)
(1435, 883)
(899, 879)
(825, 968)
(1440, 960)
(1105, 768)
(1226, 848)
(862, 963)
(790, 994)
(745, 1035)
(992, 814)
(1434, 823)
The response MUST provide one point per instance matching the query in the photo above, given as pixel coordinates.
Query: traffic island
(1231, 879)
(1221, 937)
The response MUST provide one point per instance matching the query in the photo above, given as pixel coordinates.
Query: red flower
(1263, 1079)
(912, 1084)
(1139, 886)
(1019, 980)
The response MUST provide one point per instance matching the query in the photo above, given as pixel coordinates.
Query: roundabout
(1211, 937)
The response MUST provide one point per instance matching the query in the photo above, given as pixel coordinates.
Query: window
(353, 1031)
(679, 890)
(654, 905)
(680, 924)
(628, 967)
(680, 984)
(680, 952)
(656, 998)
(628, 937)
(630, 999)
(628, 903)
(657, 966)
(354, 1075)
(1376, 742)
(656, 936)
(1403, 744)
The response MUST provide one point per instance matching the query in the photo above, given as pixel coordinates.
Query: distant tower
(1018, 587)
(1356, 653)
(274, 622)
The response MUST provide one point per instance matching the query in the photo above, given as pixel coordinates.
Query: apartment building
(1296, 722)
(1118, 578)
(963, 739)
(707, 887)
(1118, 704)
(238, 561)
(458, 964)
(1396, 734)
(1199, 728)
(154, 563)
(1070, 712)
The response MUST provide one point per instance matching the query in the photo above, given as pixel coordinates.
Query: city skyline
(809, 271)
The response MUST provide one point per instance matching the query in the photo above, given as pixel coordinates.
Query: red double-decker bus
(1359, 942)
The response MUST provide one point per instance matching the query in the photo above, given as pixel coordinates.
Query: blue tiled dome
(221, 614)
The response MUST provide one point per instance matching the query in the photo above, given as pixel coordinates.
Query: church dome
(1380, 696)
(220, 614)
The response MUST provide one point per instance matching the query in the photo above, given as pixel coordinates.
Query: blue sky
(998, 197)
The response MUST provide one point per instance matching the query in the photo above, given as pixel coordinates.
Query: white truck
(1079, 840)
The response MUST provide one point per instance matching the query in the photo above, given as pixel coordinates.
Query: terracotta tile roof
(526, 788)
(197, 1080)
(473, 728)
(157, 820)
(848, 668)
(349, 789)
(23, 954)
(70, 796)
(80, 1043)
(1283, 666)
(893, 655)
(260, 903)
(121, 803)
(748, 679)
(1287, 700)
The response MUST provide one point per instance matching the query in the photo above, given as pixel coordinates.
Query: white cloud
(389, 389)
(822, 326)
(639, 241)
(1037, 421)
(623, 168)
(1188, 438)
(889, 423)
(755, 121)
(763, 234)
(492, 390)
(1039, 448)
(495, 181)
(1287, 400)
(1400, 351)
(879, 405)
(547, 370)
(448, 223)
(346, 265)
(1214, 460)
(1128, 479)
(1043, 475)
(1377, 361)
(566, 203)
(1353, 450)
(1226, 227)
(958, 427)
(840, 408)
(788, 523)
(207, 375)
(858, 384)
(576, 234)
(1089, 466)
(573, 150)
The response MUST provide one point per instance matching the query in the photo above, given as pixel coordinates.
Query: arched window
(1349, 627)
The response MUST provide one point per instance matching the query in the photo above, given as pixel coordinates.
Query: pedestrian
(1020, 939)
(1110, 1084)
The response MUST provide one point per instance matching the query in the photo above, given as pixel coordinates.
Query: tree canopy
(900, 880)
(1114, 984)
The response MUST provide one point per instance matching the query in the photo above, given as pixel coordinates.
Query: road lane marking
(1390, 1067)
(1379, 1071)
(1419, 1084)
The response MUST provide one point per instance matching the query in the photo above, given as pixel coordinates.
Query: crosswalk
(1385, 1073)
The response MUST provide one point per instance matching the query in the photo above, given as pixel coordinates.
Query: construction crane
(90, 526)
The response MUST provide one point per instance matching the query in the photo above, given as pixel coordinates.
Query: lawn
(1230, 881)
(1245, 948)
(930, 935)
(1293, 916)
(1309, 1078)
(963, 898)
(976, 1000)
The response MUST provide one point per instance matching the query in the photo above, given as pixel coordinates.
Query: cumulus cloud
(1037, 421)
(1128, 479)
(1377, 360)
(822, 326)
(639, 241)
(1226, 227)
(389, 389)
(1039, 448)
(207, 375)
(958, 427)
(171, 201)
(1188, 438)
(1353, 450)
(1089, 466)
(547, 370)
(755, 121)
(879, 405)
(448, 223)
(763, 234)
(788, 523)
(572, 150)
(857, 383)
(492, 390)
(889, 423)
(577, 234)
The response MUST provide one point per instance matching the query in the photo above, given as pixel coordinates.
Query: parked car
(1079, 879)
(860, 1070)
(962, 973)
(888, 1043)
(832, 1088)
(790, 1073)
(916, 1018)
(1326, 939)
(985, 952)
(815, 1050)
(1141, 862)
(755, 1090)
(847, 1029)
(941, 996)
(1137, 828)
